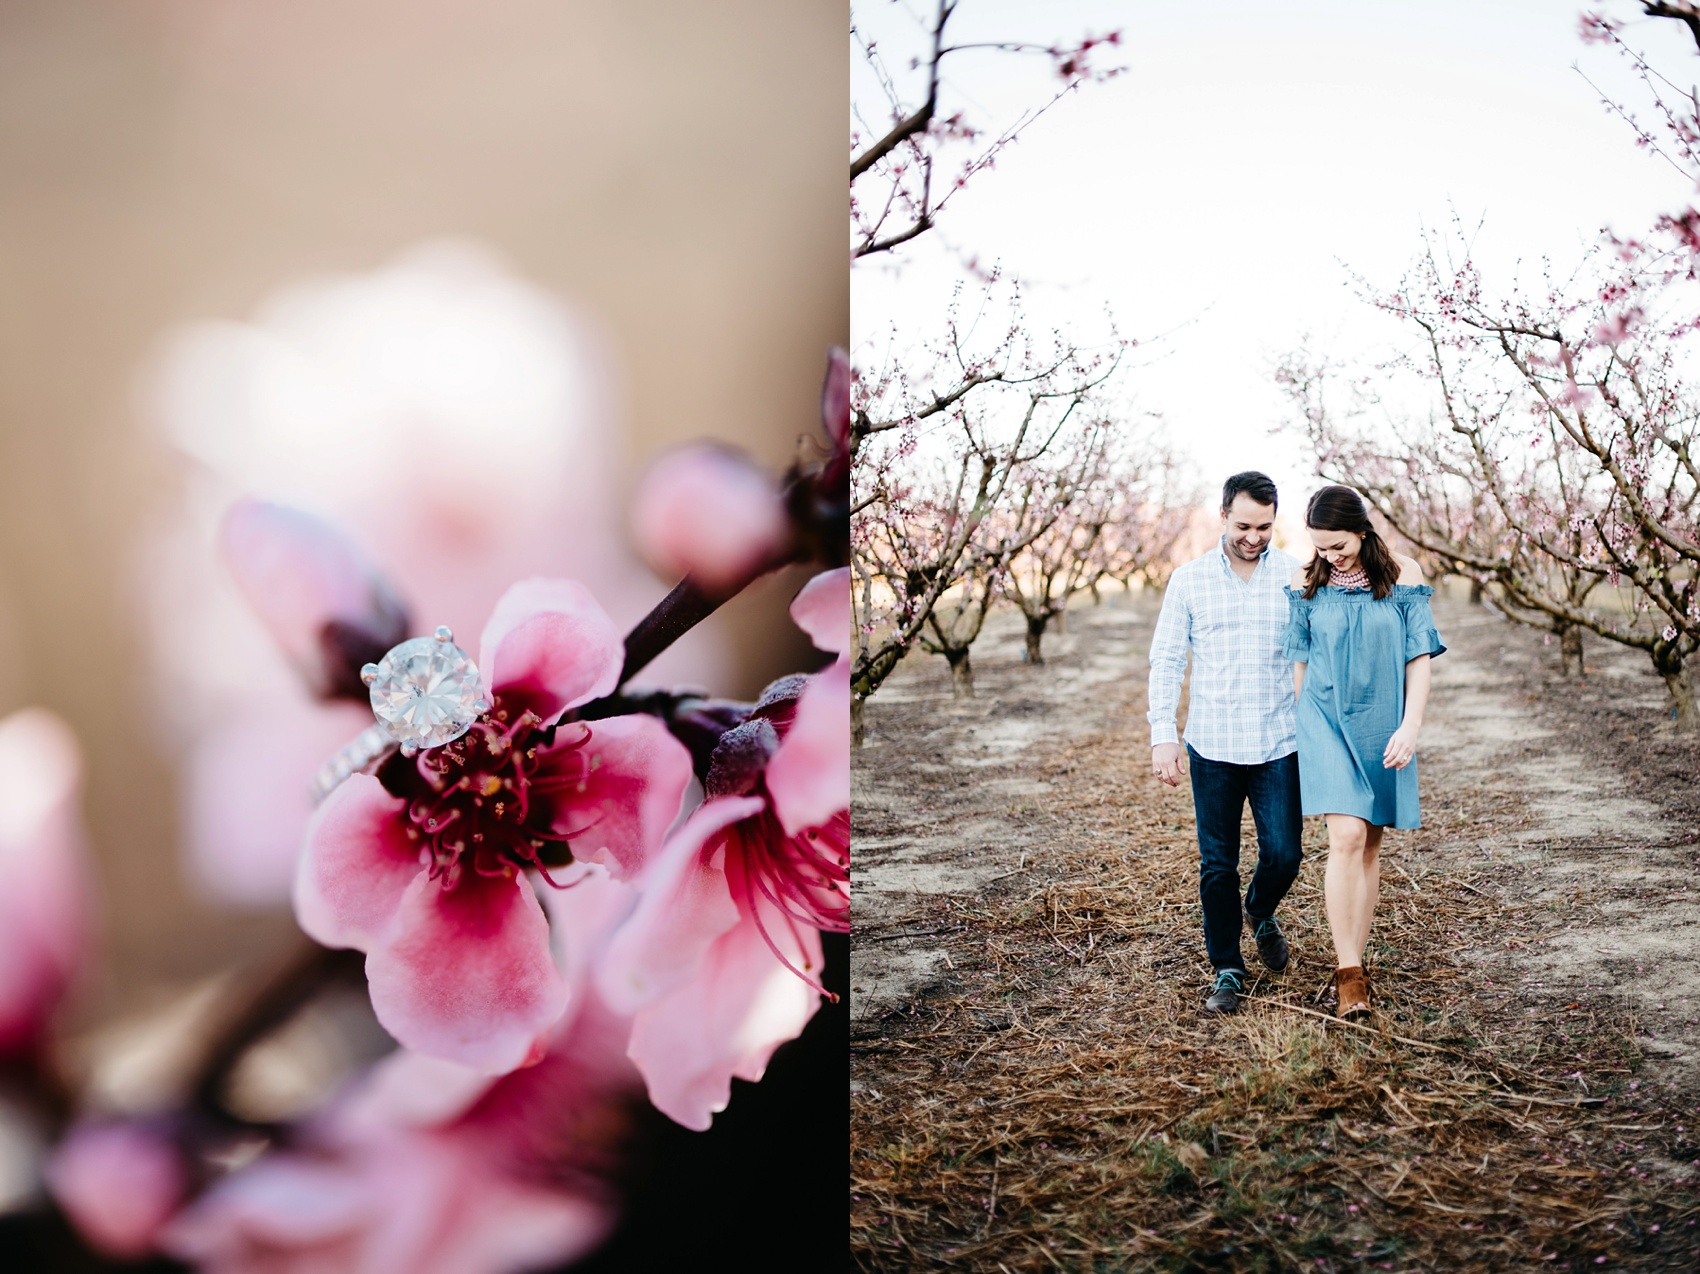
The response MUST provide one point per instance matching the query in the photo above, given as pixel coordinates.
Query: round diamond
(426, 692)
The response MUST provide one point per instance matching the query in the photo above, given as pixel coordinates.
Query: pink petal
(582, 918)
(809, 776)
(822, 610)
(550, 646)
(399, 1204)
(726, 1021)
(510, 1226)
(245, 798)
(118, 1183)
(683, 907)
(708, 512)
(466, 974)
(835, 397)
(299, 573)
(283, 1205)
(410, 1090)
(440, 1208)
(357, 864)
(45, 883)
(631, 795)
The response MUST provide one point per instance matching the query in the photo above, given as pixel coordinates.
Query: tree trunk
(1476, 592)
(856, 702)
(1035, 632)
(1570, 650)
(1685, 701)
(961, 673)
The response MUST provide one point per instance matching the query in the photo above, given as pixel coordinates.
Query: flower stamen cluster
(484, 802)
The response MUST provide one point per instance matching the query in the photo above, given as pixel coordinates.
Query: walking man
(1229, 608)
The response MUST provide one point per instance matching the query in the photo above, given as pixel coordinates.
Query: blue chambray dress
(1354, 697)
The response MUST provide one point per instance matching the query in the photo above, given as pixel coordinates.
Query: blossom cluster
(1552, 465)
(598, 895)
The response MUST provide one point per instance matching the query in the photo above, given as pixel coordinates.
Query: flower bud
(740, 757)
(710, 513)
(835, 398)
(118, 1183)
(316, 592)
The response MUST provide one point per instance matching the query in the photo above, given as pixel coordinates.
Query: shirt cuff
(1164, 732)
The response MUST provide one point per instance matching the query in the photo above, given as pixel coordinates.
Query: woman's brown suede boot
(1352, 987)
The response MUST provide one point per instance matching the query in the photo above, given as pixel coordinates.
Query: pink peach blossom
(404, 1202)
(456, 421)
(720, 960)
(716, 975)
(708, 512)
(429, 1167)
(835, 398)
(426, 870)
(118, 1183)
(329, 611)
(44, 876)
(809, 775)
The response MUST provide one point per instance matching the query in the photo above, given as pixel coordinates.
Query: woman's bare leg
(1372, 885)
(1348, 888)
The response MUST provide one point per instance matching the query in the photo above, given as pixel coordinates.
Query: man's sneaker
(1225, 993)
(1271, 944)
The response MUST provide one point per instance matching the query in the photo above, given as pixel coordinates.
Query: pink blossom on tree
(319, 596)
(720, 960)
(1110, 511)
(1559, 457)
(902, 137)
(939, 451)
(456, 423)
(119, 1183)
(428, 1167)
(709, 512)
(45, 882)
(426, 867)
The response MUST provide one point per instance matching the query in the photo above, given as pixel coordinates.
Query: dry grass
(1062, 1105)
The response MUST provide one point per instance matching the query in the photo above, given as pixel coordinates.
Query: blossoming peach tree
(1556, 461)
(565, 893)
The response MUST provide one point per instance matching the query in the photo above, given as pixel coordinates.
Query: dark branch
(919, 120)
(255, 1012)
(903, 130)
(1684, 11)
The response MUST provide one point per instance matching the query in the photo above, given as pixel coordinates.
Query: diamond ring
(425, 692)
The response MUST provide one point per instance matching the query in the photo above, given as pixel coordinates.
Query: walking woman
(1360, 634)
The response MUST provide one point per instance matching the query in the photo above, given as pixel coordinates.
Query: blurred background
(200, 197)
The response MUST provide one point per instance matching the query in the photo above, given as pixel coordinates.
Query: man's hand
(1166, 763)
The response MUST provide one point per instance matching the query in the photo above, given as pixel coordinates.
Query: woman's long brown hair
(1337, 508)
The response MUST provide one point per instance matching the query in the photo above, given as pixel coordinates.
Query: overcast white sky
(1217, 194)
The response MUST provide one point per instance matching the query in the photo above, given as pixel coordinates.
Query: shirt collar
(1227, 565)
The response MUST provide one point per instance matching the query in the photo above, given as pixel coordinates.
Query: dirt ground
(1034, 1088)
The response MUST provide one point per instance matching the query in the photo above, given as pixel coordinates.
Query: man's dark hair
(1259, 486)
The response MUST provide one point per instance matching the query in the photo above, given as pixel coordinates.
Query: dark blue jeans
(1220, 791)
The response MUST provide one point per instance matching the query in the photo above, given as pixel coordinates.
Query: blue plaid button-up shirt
(1241, 709)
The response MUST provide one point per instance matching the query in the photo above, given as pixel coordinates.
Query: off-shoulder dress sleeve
(1295, 642)
(1421, 637)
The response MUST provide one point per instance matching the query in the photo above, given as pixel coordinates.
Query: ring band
(370, 745)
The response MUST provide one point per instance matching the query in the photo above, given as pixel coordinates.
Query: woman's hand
(1401, 748)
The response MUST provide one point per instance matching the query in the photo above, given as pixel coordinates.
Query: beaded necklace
(1357, 577)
